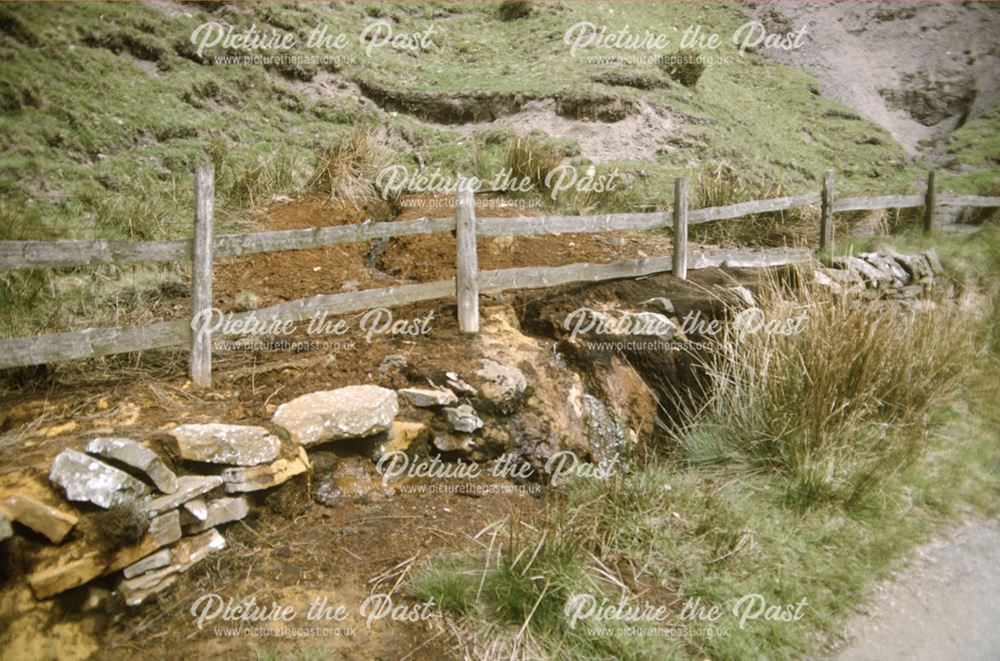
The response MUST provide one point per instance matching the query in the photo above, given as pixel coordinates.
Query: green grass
(105, 109)
(758, 518)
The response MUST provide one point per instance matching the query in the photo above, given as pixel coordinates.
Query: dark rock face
(931, 98)
(595, 107)
(454, 108)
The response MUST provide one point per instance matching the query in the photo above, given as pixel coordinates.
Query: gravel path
(945, 605)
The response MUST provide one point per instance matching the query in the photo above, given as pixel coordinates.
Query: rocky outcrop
(6, 532)
(463, 419)
(350, 412)
(428, 397)
(219, 512)
(183, 555)
(407, 437)
(188, 487)
(67, 572)
(503, 385)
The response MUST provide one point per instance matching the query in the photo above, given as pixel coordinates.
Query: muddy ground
(291, 550)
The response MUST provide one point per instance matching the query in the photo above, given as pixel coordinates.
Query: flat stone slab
(188, 488)
(184, 554)
(233, 445)
(330, 415)
(197, 507)
(428, 397)
(873, 276)
(258, 478)
(221, 511)
(45, 519)
(68, 572)
(130, 453)
(161, 558)
(83, 478)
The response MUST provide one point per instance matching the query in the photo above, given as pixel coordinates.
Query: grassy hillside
(105, 109)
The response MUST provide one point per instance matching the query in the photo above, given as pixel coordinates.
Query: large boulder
(331, 415)
(234, 445)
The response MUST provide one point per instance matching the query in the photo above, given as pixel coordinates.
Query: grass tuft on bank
(816, 463)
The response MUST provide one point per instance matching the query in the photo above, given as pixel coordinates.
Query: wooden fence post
(681, 227)
(466, 287)
(826, 212)
(930, 201)
(201, 273)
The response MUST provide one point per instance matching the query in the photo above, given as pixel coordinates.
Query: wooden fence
(466, 286)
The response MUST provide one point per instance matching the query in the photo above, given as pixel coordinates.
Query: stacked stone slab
(186, 508)
(883, 274)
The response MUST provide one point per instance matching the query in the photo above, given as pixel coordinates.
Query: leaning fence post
(681, 228)
(826, 213)
(201, 273)
(930, 200)
(466, 287)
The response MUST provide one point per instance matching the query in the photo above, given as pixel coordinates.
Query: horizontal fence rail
(468, 283)
(92, 343)
(872, 203)
(750, 208)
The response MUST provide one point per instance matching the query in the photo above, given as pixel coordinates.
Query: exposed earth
(920, 70)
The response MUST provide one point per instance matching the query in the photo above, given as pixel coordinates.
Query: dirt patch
(595, 107)
(451, 108)
(609, 364)
(642, 135)
(284, 276)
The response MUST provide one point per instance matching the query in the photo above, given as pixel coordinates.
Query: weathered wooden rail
(466, 286)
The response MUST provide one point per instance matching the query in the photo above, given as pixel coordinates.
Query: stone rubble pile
(881, 275)
(218, 465)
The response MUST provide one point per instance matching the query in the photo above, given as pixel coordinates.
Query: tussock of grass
(857, 413)
(722, 186)
(511, 10)
(349, 169)
(532, 158)
(684, 66)
(254, 181)
(841, 404)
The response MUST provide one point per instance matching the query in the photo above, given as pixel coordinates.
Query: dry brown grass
(533, 159)
(722, 186)
(839, 405)
(348, 170)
